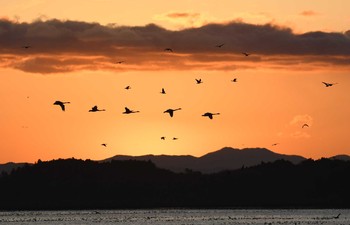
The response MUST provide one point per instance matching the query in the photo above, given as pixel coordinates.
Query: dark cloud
(62, 46)
(182, 15)
(308, 13)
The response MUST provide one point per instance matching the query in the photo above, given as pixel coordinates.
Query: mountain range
(224, 159)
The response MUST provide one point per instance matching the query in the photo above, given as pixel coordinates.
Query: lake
(178, 217)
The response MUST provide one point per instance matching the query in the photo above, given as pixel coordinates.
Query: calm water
(178, 217)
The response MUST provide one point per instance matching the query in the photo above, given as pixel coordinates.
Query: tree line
(87, 184)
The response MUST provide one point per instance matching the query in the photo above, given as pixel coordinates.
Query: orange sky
(279, 86)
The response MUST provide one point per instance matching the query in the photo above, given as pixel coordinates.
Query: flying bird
(61, 104)
(128, 111)
(274, 144)
(210, 115)
(305, 125)
(234, 80)
(104, 145)
(175, 138)
(199, 81)
(219, 46)
(168, 50)
(171, 111)
(163, 91)
(162, 138)
(96, 109)
(127, 87)
(329, 84)
(246, 54)
(119, 62)
(26, 46)
(337, 217)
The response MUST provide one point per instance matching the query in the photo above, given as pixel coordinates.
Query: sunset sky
(73, 55)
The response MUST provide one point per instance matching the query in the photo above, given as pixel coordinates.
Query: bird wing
(210, 116)
(171, 113)
(62, 107)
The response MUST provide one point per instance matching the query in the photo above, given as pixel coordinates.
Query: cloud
(308, 13)
(300, 134)
(63, 46)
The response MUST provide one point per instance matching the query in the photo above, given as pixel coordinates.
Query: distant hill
(8, 167)
(341, 157)
(224, 159)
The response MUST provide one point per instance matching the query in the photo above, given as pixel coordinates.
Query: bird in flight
(96, 109)
(26, 46)
(219, 46)
(246, 54)
(163, 91)
(162, 138)
(305, 125)
(210, 115)
(234, 80)
(119, 62)
(168, 50)
(128, 111)
(104, 144)
(199, 81)
(61, 104)
(329, 84)
(175, 138)
(127, 87)
(274, 144)
(171, 111)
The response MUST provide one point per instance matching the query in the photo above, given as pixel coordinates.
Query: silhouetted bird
(337, 217)
(104, 145)
(61, 104)
(162, 138)
(26, 46)
(199, 81)
(274, 144)
(219, 46)
(168, 50)
(171, 111)
(95, 109)
(305, 125)
(163, 91)
(119, 62)
(128, 111)
(246, 54)
(234, 80)
(210, 115)
(175, 138)
(127, 87)
(329, 84)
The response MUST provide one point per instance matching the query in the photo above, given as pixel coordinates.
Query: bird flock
(170, 111)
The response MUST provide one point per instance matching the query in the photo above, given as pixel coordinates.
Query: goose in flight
(220, 45)
(61, 104)
(234, 80)
(162, 138)
(329, 84)
(305, 125)
(175, 138)
(337, 217)
(119, 62)
(210, 115)
(246, 54)
(274, 144)
(168, 50)
(26, 46)
(104, 144)
(128, 111)
(199, 81)
(96, 109)
(163, 91)
(127, 87)
(171, 111)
